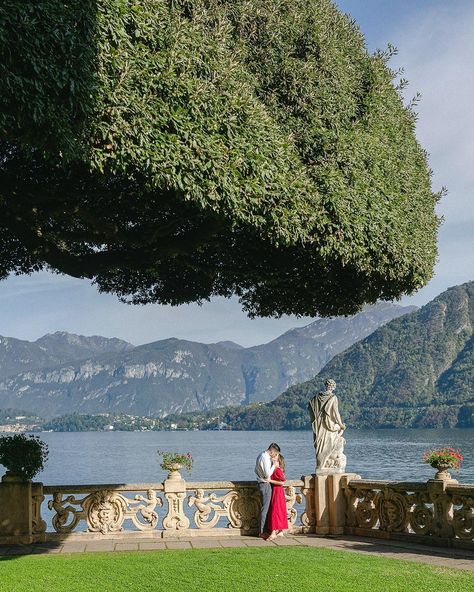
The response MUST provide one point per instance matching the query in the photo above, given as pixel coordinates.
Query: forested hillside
(416, 371)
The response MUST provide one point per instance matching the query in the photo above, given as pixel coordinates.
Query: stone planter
(174, 469)
(11, 477)
(442, 469)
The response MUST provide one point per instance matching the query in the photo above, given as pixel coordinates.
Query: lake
(130, 457)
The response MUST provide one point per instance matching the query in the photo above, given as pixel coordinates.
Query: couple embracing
(269, 469)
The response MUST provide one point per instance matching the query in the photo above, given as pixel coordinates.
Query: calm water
(130, 457)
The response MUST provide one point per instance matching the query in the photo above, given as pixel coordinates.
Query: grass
(279, 569)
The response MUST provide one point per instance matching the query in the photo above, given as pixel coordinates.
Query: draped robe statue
(328, 428)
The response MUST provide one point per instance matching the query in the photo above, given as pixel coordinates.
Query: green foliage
(171, 459)
(84, 422)
(287, 412)
(406, 363)
(77, 422)
(457, 382)
(444, 456)
(466, 416)
(172, 151)
(23, 455)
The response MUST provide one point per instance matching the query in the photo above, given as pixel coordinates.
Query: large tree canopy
(171, 150)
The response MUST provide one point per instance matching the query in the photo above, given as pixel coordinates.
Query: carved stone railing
(172, 508)
(102, 509)
(437, 512)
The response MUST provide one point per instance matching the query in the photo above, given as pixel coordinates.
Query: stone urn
(442, 469)
(174, 469)
(11, 477)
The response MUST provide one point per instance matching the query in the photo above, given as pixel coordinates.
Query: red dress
(277, 518)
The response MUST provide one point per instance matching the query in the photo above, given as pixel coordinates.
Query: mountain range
(62, 373)
(54, 349)
(415, 371)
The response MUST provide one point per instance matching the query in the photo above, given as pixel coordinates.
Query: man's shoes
(263, 535)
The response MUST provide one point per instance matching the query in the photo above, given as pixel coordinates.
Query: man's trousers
(266, 493)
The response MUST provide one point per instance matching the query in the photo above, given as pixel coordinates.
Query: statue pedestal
(330, 503)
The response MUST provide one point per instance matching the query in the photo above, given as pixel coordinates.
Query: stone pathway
(455, 558)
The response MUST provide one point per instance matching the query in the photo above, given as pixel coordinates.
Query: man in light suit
(264, 468)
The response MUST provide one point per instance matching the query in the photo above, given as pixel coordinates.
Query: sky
(435, 46)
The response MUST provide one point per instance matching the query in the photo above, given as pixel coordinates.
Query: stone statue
(328, 428)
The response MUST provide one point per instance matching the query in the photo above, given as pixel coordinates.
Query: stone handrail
(162, 509)
(51, 489)
(439, 511)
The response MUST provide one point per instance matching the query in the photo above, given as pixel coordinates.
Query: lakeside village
(103, 422)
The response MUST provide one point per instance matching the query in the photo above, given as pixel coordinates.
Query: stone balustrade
(172, 508)
(439, 512)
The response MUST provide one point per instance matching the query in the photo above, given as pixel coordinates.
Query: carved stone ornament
(442, 513)
(209, 508)
(308, 517)
(393, 510)
(105, 511)
(291, 498)
(67, 517)
(244, 508)
(463, 517)
(176, 518)
(146, 509)
(38, 524)
(421, 514)
(366, 512)
(437, 509)
(241, 507)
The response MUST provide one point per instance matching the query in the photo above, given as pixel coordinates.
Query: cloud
(37, 283)
(436, 52)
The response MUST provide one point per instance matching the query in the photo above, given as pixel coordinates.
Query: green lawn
(284, 569)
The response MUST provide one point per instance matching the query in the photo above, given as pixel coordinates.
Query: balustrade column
(330, 501)
(175, 493)
(442, 508)
(321, 508)
(16, 511)
(337, 503)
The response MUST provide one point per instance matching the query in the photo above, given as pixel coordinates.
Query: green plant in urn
(23, 456)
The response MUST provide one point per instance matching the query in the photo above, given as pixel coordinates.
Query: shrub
(23, 455)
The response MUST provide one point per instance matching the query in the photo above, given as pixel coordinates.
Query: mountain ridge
(52, 349)
(175, 376)
(415, 371)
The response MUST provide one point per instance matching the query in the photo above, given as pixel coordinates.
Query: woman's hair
(281, 460)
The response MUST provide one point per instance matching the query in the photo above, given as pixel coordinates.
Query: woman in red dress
(277, 518)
